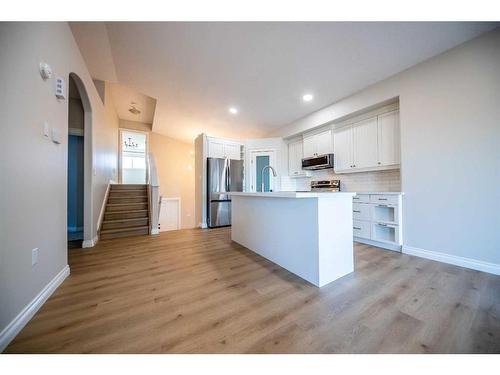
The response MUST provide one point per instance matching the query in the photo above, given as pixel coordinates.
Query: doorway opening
(79, 210)
(259, 160)
(133, 151)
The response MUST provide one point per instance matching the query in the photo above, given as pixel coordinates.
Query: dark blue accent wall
(75, 181)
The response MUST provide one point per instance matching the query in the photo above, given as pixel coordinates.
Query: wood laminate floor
(195, 291)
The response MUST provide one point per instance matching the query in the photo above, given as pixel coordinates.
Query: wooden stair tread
(118, 230)
(127, 220)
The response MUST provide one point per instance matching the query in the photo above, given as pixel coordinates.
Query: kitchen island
(307, 233)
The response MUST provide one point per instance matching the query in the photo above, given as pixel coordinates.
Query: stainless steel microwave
(318, 162)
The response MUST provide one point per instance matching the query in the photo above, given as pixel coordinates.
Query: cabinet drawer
(385, 233)
(361, 198)
(384, 199)
(361, 211)
(361, 229)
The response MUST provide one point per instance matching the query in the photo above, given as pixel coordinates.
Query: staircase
(127, 212)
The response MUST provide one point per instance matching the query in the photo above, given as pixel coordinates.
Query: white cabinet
(318, 144)
(388, 138)
(377, 220)
(364, 140)
(232, 151)
(343, 149)
(368, 145)
(220, 148)
(295, 158)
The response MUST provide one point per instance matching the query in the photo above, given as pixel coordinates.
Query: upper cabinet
(295, 155)
(342, 157)
(364, 141)
(368, 145)
(318, 144)
(388, 138)
(220, 148)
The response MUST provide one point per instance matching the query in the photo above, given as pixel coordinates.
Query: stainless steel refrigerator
(223, 176)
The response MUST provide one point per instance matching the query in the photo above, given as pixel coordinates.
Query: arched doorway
(79, 184)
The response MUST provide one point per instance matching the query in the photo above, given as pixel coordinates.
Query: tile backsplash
(389, 180)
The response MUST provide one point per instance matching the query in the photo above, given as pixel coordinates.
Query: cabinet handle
(356, 211)
(382, 199)
(382, 205)
(355, 197)
(358, 228)
(379, 163)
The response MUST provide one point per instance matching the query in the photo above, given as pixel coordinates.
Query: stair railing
(153, 194)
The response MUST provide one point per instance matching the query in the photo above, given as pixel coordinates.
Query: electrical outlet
(34, 256)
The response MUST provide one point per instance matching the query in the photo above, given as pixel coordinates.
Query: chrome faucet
(262, 176)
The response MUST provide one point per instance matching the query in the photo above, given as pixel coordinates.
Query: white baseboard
(474, 264)
(17, 324)
(89, 243)
(383, 245)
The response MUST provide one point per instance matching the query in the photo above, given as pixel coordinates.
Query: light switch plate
(56, 136)
(34, 256)
(46, 129)
(59, 88)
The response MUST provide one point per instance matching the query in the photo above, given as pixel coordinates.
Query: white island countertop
(308, 233)
(291, 194)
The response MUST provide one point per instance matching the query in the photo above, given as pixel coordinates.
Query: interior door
(259, 160)
(342, 140)
(388, 138)
(364, 135)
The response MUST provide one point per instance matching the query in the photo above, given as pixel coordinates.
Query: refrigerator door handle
(228, 188)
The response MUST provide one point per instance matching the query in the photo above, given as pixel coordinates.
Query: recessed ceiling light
(233, 111)
(307, 97)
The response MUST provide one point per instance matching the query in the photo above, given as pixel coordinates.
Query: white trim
(76, 131)
(384, 245)
(18, 323)
(453, 259)
(103, 205)
(89, 243)
(155, 231)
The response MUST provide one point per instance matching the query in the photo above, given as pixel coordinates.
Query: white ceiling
(196, 71)
(123, 97)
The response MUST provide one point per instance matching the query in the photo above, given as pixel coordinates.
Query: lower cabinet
(377, 220)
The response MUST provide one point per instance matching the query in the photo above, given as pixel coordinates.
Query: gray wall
(450, 147)
(34, 172)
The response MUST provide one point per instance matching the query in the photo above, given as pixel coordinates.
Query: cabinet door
(309, 146)
(232, 151)
(388, 138)
(342, 141)
(324, 143)
(364, 135)
(215, 149)
(295, 158)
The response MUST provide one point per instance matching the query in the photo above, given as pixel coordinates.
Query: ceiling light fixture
(307, 97)
(133, 110)
(233, 111)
